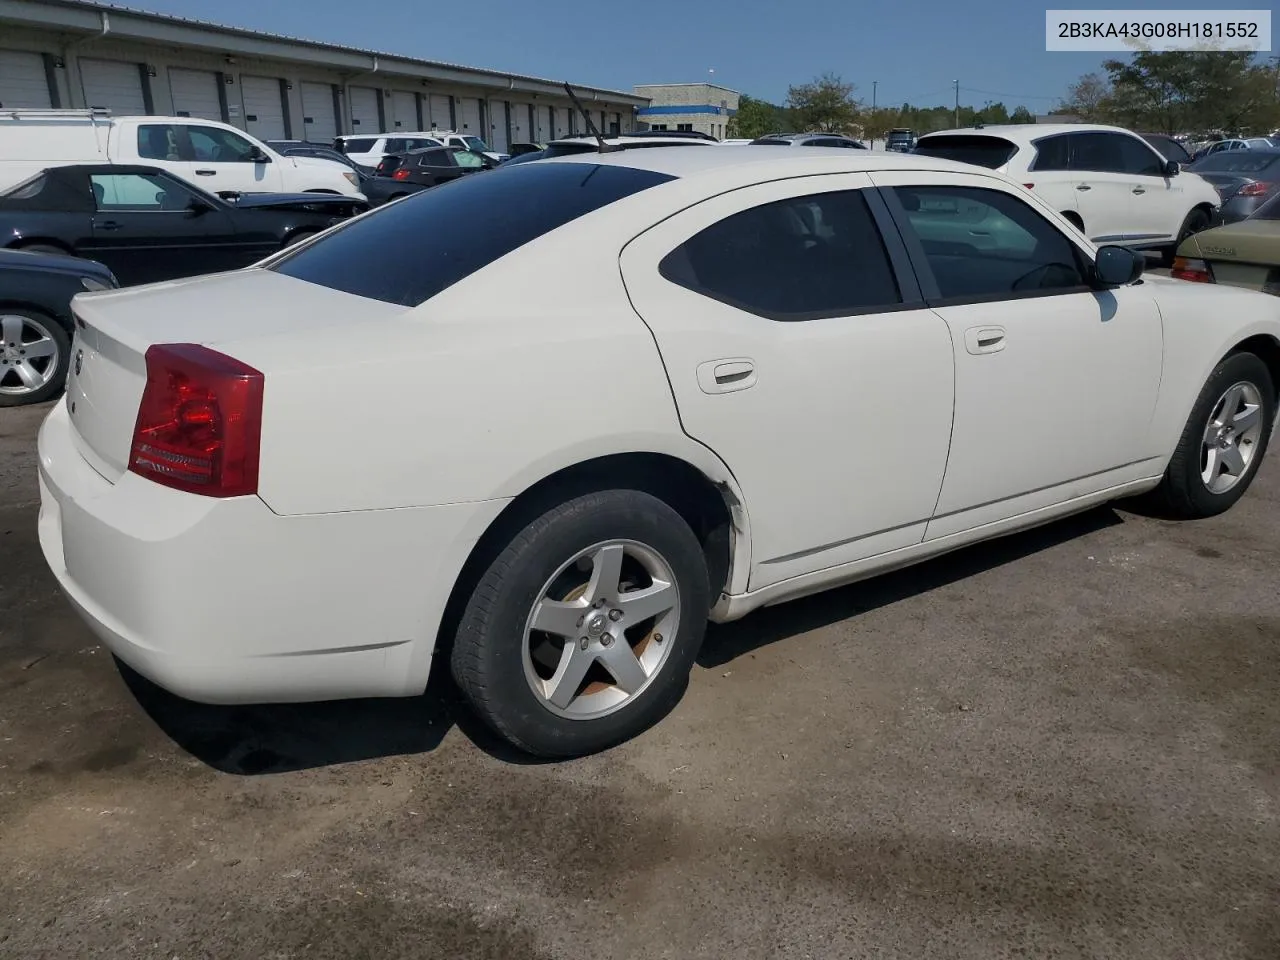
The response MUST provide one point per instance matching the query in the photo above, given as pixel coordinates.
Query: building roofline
(80, 17)
(642, 86)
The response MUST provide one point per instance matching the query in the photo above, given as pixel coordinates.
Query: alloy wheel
(1231, 437)
(29, 355)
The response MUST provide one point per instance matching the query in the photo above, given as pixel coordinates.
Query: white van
(214, 156)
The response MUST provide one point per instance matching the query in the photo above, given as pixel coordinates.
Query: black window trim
(900, 266)
(924, 273)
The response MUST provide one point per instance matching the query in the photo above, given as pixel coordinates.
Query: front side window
(215, 145)
(795, 259)
(439, 157)
(159, 141)
(984, 244)
(1098, 152)
(399, 254)
(119, 192)
(474, 143)
(1140, 159)
(469, 160)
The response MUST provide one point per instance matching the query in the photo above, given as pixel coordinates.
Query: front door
(1104, 197)
(1055, 382)
(144, 229)
(794, 355)
(1156, 207)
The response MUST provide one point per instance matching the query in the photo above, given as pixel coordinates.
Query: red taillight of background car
(1197, 271)
(400, 174)
(199, 424)
(1259, 188)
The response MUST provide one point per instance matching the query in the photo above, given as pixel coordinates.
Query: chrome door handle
(978, 340)
(726, 376)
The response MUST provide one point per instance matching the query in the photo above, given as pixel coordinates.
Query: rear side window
(399, 254)
(62, 190)
(358, 144)
(1052, 153)
(795, 259)
(159, 141)
(989, 152)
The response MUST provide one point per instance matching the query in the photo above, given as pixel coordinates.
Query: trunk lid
(1225, 183)
(114, 329)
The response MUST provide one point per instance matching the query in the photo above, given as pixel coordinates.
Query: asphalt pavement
(1059, 745)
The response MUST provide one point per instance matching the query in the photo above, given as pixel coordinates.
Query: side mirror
(1117, 266)
(1171, 168)
(257, 156)
(197, 207)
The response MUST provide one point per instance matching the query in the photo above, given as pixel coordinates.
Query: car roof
(1025, 133)
(630, 140)
(773, 163)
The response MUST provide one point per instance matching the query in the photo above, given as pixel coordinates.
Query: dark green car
(1243, 254)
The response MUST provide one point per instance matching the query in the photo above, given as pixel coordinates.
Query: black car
(323, 151)
(146, 224)
(400, 174)
(1244, 179)
(35, 320)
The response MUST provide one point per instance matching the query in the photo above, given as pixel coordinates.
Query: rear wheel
(46, 248)
(582, 632)
(1223, 443)
(35, 352)
(1197, 220)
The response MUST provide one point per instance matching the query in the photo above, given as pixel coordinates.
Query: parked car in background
(517, 149)
(626, 141)
(368, 151)
(808, 140)
(669, 135)
(1244, 179)
(467, 141)
(401, 174)
(36, 325)
(735, 141)
(322, 151)
(146, 224)
(900, 140)
(1168, 147)
(1238, 143)
(1109, 182)
(566, 370)
(215, 157)
(1245, 253)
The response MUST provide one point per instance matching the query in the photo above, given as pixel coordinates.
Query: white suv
(1107, 181)
(369, 151)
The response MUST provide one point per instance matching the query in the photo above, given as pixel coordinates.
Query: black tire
(47, 248)
(488, 652)
(1183, 493)
(12, 394)
(1197, 220)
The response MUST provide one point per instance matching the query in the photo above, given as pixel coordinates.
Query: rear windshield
(989, 152)
(401, 254)
(1237, 161)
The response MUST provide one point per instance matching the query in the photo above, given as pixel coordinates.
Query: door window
(795, 259)
(987, 245)
(1052, 153)
(119, 192)
(214, 145)
(396, 145)
(1100, 152)
(1140, 159)
(159, 141)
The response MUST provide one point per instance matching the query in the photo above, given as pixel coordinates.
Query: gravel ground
(1062, 744)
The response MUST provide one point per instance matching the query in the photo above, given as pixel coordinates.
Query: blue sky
(914, 48)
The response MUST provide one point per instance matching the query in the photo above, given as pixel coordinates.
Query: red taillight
(1197, 271)
(401, 174)
(1259, 188)
(199, 424)
(1029, 186)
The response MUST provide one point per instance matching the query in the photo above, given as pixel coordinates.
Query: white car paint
(31, 141)
(843, 458)
(381, 144)
(1116, 206)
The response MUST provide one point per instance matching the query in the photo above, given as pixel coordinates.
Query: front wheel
(1196, 221)
(1223, 443)
(582, 631)
(35, 352)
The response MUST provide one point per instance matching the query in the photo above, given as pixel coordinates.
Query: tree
(754, 118)
(826, 104)
(1088, 98)
(1022, 115)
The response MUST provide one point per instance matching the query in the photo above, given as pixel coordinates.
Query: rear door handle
(205, 173)
(978, 340)
(109, 225)
(726, 376)
(1083, 186)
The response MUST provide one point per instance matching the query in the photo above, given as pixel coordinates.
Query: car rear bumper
(224, 601)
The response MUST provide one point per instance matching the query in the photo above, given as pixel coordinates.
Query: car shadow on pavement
(726, 642)
(282, 738)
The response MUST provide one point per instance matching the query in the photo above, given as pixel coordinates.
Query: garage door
(497, 136)
(364, 110)
(113, 86)
(195, 93)
(520, 122)
(438, 117)
(264, 107)
(318, 121)
(404, 111)
(23, 82)
(469, 116)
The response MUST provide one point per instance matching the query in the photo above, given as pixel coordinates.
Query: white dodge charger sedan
(620, 394)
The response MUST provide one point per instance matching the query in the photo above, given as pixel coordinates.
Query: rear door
(798, 354)
(1104, 188)
(144, 229)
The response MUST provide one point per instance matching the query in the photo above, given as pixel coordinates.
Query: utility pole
(874, 85)
(957, 104)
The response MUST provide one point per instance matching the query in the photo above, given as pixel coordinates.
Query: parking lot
(1061, 744)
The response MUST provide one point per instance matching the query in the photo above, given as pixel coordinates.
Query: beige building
(77, 53)
(701, 107)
